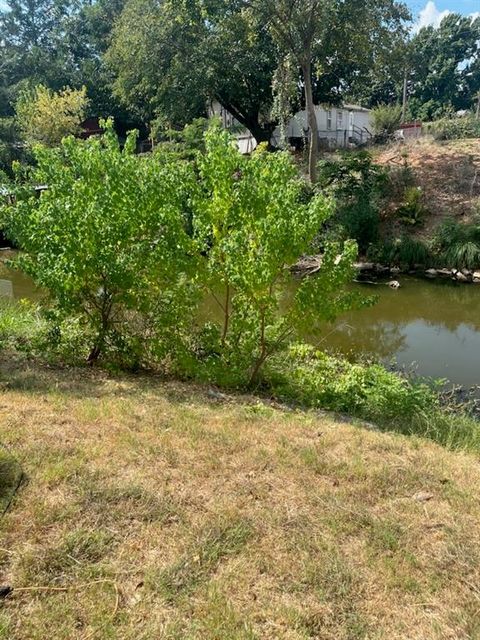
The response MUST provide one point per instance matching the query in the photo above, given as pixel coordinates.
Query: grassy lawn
(157, 510)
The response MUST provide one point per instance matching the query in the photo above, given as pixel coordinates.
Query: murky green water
(14, 284)
(433, 325)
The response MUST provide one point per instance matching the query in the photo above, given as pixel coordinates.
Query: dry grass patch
(226, 520)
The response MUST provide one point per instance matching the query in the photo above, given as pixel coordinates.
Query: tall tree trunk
(311, 119)
(251, 121)
(262, 134)
(405, 96)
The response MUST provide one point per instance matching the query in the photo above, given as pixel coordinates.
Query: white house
(338, 127)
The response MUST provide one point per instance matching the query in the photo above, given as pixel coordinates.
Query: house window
(339, 119)
(329, 120)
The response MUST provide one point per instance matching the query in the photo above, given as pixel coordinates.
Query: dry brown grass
(448, 173)
(226, 519)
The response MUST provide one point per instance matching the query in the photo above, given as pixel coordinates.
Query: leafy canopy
(181, 55)
(107, 236)
(46, 117)
(252, 221)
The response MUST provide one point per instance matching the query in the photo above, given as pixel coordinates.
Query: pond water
(432, 325)
(14, 284)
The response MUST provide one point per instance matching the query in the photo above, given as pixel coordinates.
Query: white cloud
(430, 16)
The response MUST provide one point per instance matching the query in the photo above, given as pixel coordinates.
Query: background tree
(444, 67)
(332, 42)
(181, 55)
(362, 41)
(32, 46)
(10, 148)
(59, 43)
(47, 117)
(297, 27)
(88, 35)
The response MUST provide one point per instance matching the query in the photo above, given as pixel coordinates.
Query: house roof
(356, 107)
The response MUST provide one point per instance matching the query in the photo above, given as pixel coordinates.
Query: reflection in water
(14, 284)
(6, 289)
(380, 341)
(433, 324)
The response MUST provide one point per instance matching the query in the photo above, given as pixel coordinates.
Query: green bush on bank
(454, 128)
(127, 246)
(369, 392)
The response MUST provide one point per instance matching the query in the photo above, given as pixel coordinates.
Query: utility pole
(478, 106)
(405, 96)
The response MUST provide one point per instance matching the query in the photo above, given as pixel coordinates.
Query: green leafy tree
(32, 46)
(106, 239)
(444, 67)
(252, 221)
(59, 43)
(331, 42)
(87, 37)
(181, 55)
(47, 117)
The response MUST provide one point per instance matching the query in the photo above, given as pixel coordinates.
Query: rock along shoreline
(309, 265)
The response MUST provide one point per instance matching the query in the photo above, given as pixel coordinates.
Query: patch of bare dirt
(447, 172)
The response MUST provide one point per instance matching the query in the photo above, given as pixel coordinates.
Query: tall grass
(20, 324)
(458, 245)
(405, 251)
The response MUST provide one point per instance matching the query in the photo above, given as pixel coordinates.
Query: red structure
(411, 129)
(90, 127)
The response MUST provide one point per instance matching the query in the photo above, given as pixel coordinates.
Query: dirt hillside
(447, 172)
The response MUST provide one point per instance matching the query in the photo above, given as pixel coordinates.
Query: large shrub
(124, 243)
(251, 223)
(357, 185)
(106, 238)
(386, 120)
(454, 128)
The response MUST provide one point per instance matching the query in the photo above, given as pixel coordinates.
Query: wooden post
(405, 97)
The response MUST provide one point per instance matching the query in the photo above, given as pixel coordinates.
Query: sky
(425, 12)
(433, 11)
